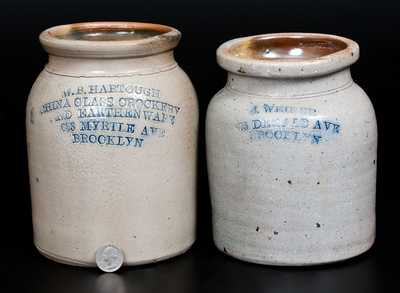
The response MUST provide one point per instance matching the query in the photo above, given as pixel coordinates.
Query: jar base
(314, 262)
(74, 262)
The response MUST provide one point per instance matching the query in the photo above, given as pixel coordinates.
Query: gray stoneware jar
(291, 151)
(112, 134)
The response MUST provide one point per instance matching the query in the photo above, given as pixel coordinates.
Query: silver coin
(109, 258)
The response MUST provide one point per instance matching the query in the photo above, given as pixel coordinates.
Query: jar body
(112, 159)
(292, 169)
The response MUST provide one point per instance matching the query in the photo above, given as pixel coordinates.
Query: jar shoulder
(173, 85)
(351, 102)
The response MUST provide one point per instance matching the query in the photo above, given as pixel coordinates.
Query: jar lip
(109, 39)
(287, 55)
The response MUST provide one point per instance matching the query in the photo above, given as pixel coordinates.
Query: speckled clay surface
(112, 133)
(291, 151)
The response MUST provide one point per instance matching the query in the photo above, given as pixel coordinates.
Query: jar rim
(287, 55)
(109, 39)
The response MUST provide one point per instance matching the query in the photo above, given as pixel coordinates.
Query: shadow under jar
(112, 134)
(291, 151)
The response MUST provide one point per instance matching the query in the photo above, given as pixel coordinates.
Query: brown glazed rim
(56, 42)
(287, 55)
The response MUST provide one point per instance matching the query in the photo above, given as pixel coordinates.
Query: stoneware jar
(291, 149)
(111, 131)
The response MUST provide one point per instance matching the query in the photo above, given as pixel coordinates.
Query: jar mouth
(287, 54)
(109, 39)
(290, 47)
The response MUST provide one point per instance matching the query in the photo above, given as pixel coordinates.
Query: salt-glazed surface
(291, 151)
(112, 135)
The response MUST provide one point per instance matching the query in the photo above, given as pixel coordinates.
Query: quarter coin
(109, 258)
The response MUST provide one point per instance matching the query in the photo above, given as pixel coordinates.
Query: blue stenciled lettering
(290, 129)
(118, 140)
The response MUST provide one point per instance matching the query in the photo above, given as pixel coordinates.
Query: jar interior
(99, 33)
(281, 47)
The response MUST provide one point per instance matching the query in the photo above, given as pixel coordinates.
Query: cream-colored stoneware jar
(112, 132)
(291, 149)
